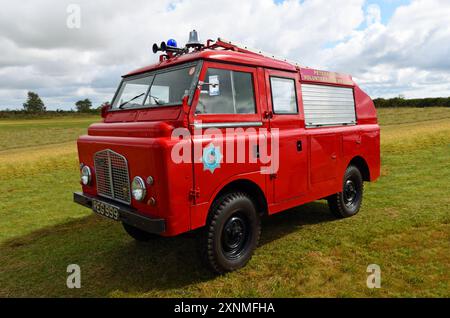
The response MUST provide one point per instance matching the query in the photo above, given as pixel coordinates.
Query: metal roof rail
(246, 49)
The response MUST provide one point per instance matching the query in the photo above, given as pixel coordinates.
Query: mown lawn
(22, 133)
(404, 226)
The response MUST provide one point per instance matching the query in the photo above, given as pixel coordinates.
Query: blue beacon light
(172, 43)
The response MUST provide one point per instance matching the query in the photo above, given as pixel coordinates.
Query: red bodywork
(184, 192)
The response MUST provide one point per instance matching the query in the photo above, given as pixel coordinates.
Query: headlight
(138, 189)
(86, 175)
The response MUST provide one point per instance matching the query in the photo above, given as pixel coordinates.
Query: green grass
(395, 116)
(25, 133)
(404, 226)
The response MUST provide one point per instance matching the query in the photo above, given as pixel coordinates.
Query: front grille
(111, 170)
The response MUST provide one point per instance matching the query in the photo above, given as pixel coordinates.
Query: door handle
(268, 114)
(256, 151)
(333, 156)
(299, 145)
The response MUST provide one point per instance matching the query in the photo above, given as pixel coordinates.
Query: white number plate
(105, 209)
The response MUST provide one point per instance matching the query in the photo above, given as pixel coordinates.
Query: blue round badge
(211, 158)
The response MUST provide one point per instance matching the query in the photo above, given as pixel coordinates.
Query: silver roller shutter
(328, 105)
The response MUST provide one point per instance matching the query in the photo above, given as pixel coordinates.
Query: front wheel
(231, 233)
(348, 202)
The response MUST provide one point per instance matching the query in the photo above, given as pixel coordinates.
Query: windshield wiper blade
(156, 99)
(128, 101)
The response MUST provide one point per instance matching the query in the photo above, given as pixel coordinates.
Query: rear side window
(284, 98)
(227, 92)
(328, 105)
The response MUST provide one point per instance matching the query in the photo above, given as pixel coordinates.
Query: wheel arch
(249, 187)
(362, 165)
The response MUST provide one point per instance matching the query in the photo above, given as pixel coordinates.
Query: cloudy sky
(391, 47)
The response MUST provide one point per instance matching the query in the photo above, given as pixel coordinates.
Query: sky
(67, 50)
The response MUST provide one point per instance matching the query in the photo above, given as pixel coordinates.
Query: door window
(227, 92)
(284, 97)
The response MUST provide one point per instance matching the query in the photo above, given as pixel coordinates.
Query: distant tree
(34, 103)
(83, 106)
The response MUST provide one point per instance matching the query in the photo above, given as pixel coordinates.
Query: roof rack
(194, 44)
(226, 44)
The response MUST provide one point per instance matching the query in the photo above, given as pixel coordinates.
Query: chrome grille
(111, 171)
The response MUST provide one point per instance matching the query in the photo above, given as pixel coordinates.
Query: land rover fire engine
(318, 129)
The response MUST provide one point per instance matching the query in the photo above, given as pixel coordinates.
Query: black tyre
(138, 234)
(231, 233)
(348, 202)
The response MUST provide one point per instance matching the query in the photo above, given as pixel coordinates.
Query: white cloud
(409, 54)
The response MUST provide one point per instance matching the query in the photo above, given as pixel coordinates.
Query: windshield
(162, 88)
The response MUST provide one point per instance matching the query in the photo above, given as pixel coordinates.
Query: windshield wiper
(128, 101)
(156, 99)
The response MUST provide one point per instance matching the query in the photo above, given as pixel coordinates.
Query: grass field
(404, 226)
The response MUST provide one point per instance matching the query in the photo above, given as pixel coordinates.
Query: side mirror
(106, 107)
(213, 85)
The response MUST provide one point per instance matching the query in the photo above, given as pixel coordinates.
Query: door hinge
(273, 176)
(194, 193)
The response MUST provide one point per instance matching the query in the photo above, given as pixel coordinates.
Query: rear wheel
(231, 233)
(138, 234)
(348, 202)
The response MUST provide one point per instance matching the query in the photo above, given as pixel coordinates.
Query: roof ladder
(246, 49)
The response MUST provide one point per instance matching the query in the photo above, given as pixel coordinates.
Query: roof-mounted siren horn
(193, 40)
(157, 48)
(169, 47)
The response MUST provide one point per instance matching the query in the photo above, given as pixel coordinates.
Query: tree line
(417, 102)
(35, 105)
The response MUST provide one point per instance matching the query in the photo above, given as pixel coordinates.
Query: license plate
(105, 210)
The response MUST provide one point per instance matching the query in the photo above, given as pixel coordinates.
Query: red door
(226, 125)
(291, 179)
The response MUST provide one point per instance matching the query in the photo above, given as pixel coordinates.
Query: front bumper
(128, 215)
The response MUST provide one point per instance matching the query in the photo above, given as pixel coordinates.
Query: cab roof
(226, 52)
(224, 56)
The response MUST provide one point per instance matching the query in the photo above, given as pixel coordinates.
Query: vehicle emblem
(211, 158)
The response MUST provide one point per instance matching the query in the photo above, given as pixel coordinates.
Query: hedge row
(419, 102)
(21, 114)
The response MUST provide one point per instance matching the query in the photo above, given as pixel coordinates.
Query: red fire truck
(318, 129)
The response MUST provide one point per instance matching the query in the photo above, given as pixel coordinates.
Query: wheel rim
(351, 193)
(235, 236)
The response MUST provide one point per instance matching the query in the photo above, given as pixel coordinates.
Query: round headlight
(86, 175)
(138, 189)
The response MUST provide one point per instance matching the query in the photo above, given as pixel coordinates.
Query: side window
(284, 97)
(227, 92)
